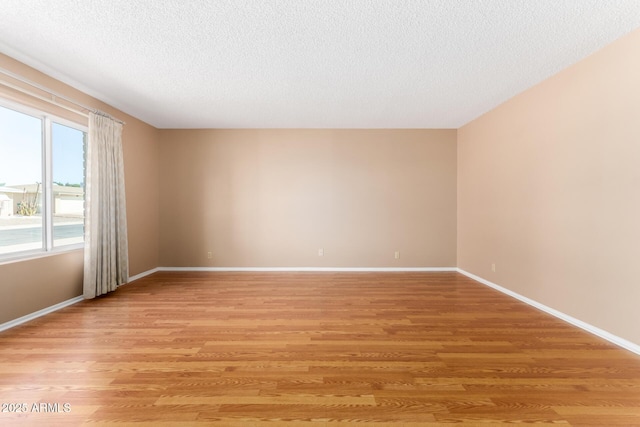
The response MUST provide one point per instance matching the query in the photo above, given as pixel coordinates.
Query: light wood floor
(312, 349)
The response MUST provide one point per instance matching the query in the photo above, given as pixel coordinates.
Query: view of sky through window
(68, 154)
(20, 148)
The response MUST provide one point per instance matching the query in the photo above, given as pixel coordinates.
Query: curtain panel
(106, 258)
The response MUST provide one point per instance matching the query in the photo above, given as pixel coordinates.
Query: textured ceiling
(308, 64)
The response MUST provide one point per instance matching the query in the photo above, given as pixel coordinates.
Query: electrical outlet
(209, 255)
(397, 255)
(493, 267)
(321, 252)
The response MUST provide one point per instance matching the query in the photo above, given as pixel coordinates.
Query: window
(41, 182)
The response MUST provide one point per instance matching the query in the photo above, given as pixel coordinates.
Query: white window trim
(48, 119)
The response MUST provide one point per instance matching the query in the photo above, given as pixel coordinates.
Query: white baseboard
(12, 323)
(614, 339)
(311, 269)
(39, 313)
(143, 274)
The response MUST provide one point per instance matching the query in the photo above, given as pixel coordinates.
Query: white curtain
(106, 258)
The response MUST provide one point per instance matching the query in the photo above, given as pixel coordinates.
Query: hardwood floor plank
(312, 350)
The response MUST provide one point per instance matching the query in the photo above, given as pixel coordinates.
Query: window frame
(47, 118)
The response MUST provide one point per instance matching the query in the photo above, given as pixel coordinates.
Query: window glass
(21, 221)
(41, 182)
(68, 184)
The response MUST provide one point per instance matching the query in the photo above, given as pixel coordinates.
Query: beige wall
(549, 191)
(29, 286)
(272, 198)
(140, 143)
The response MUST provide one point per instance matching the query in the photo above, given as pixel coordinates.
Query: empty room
(319, 213)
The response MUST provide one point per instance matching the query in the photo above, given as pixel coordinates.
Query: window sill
(29, 256)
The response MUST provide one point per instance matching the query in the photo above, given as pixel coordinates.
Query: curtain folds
(106, 258)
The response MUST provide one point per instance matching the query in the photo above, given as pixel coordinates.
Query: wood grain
(312, 349)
